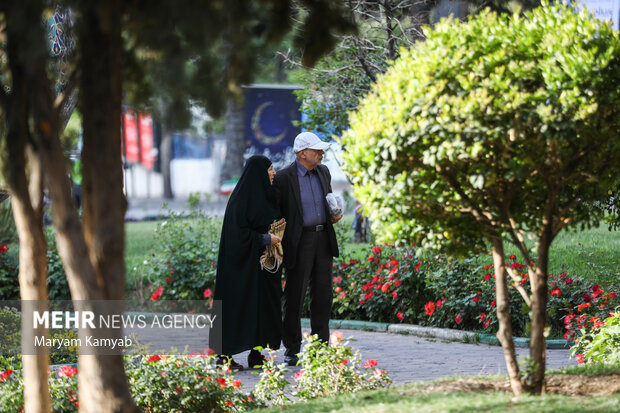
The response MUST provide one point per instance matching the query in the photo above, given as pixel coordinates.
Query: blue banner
(269, 115)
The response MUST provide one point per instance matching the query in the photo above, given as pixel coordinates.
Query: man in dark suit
(309, 241)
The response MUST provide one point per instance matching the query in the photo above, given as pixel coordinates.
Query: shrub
(9, 270)
(10, 342)
(161, 383)
(272, 385)
(158, 383)
(387, 282)
(605, 344)
(326, 370)
(10, 331)
(392, 285)
(184, 263)
(586, 320)
(8, 232)
(334, 369)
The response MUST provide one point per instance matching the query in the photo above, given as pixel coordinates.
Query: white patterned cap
(308, 140)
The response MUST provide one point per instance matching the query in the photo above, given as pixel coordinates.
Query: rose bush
(392, 285)
(183, 265)
(326, 370)
(159, 383)
(190, 383)
(387, 282)
(334, 369)
(593, 325)
(604, 345)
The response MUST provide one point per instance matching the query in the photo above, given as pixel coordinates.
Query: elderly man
(309, 242)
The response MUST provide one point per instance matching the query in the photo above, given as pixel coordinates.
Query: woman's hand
(275, 239)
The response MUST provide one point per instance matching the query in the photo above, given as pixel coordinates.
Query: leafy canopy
(490, 125)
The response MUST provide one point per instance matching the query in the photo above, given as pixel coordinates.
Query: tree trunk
(166, 158)
(103, 384)
(28, 214)
(389, 30)
(27, 200)
(235, 142)
(504, 334)
(538, 281)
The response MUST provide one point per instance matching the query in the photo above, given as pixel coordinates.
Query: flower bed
(391, 285)
(194, 383)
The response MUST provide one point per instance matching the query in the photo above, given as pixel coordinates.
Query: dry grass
(567, 385)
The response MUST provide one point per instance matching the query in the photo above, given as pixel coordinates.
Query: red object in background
(139, 139)
(147, 154)
(132, 139)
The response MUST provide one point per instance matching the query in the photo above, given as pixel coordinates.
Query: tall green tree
(494, 130)
(334, 86)
(340, 79)
(92, 248)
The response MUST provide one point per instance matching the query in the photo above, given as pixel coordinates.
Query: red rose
(429, 308)
(154, 358)
(67, 371)
(400, 316)
(5, 374)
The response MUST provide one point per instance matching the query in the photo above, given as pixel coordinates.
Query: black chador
(251, 313)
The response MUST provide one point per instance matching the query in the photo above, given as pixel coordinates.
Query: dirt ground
(568, 385)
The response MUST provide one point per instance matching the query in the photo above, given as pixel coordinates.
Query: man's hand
(275, 239)
(335, 218)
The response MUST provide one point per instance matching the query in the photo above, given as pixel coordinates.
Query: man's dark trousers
(314, 269)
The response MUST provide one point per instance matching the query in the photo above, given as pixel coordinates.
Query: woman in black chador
(251, 313)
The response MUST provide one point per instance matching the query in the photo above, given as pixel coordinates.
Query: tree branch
(62, 98)
(516, 283)
(518, 238)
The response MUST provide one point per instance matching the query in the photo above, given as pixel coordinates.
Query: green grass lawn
(140, 241)
(593, 254)
(397, 400)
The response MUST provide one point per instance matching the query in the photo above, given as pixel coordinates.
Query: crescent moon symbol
(260, 135)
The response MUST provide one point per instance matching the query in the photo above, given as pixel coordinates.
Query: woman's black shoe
(222, 360)
(255, 359)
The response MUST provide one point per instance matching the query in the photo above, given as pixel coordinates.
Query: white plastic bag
(336, 204)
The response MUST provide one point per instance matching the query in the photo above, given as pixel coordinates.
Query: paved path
(407, 358)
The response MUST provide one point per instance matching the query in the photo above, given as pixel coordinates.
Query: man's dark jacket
(287, 184)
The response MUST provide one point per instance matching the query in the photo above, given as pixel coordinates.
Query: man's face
(313, 157)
